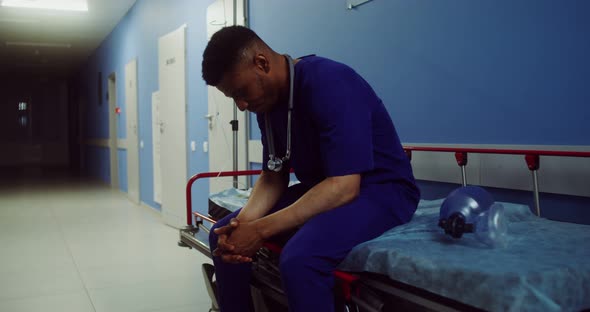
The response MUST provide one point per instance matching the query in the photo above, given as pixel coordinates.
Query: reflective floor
(69, 244)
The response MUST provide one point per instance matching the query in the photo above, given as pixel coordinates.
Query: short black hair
(224, 51)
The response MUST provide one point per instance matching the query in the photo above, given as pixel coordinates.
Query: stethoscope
(276, 163)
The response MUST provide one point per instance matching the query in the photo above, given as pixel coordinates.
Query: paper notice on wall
(217, 17)
(221, 14)
(156, 134)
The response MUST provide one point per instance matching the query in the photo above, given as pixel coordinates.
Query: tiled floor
(73, 245)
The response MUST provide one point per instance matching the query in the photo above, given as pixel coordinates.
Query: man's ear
(261, 62)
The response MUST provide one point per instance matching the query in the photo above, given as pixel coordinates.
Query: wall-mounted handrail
(532, 159)
(497, 151)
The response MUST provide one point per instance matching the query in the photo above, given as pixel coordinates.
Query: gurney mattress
(545, 265)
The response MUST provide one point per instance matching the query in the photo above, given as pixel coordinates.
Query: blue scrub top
(339, 127)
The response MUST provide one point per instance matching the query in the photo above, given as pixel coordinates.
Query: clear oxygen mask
(471, 209)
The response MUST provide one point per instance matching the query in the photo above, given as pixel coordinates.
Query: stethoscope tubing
(275, 163)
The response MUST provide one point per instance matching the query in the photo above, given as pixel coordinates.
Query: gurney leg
(208, 271)
(258, 300)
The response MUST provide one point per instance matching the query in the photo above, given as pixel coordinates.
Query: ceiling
(55, 42)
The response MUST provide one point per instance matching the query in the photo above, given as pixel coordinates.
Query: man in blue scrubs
(337, 136)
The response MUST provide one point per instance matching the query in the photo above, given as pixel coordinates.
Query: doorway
(172, 96)
(222, 110)
(114, 151)
(132, 131)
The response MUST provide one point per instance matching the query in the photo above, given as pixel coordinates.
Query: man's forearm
(269, 187)
(331, 193)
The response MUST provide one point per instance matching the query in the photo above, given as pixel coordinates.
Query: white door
(113, 137)
(132, 141)
(221, 110)
(156, 144)
(172, 79)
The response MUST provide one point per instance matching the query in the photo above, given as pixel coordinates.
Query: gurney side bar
(187, 239)
(189, 185)
(187, 234)
(419, 301)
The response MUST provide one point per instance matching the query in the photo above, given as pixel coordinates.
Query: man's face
(249, 85)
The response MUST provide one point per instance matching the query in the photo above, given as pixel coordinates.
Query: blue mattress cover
(545, 265)
(231, 199)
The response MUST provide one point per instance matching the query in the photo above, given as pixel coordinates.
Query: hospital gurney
(414, 267)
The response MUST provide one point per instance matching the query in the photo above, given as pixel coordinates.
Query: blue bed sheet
(545, 265)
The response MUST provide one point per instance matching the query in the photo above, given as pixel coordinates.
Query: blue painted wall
(479, 72)
(122, 159)
(136, 36)
(462, 72)
(485, 72)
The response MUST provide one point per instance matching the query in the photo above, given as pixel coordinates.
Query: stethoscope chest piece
(275, 164)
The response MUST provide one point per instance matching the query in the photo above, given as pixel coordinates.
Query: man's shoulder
(313, 61)
(319, 70)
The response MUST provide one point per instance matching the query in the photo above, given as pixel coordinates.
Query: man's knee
(212, 236)
(221, 223)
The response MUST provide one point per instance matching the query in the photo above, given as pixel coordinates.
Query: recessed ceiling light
(64, 5)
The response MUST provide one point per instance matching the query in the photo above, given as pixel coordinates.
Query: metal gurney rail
(187, 235)
(419, 297)
(531, 157)
(195, 224)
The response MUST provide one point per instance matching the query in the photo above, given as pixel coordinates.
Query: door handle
(210, 117)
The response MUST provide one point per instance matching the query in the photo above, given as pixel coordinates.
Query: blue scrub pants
(315, 250)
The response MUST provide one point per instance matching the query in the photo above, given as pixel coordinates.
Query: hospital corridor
(294, 156)
(76, 245)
